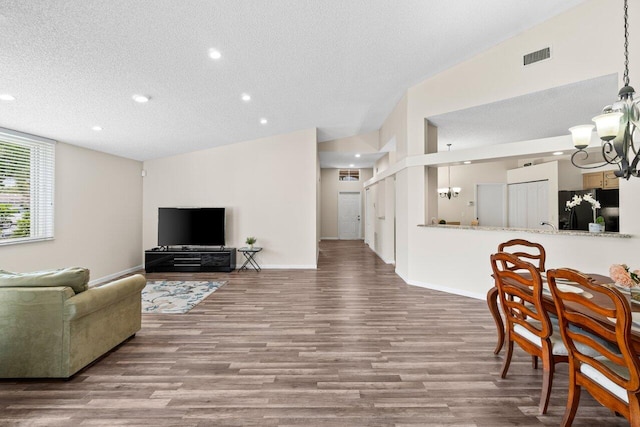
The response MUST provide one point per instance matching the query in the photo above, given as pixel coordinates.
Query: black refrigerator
(580, 216)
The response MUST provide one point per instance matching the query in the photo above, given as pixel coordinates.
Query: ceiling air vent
(537, 56)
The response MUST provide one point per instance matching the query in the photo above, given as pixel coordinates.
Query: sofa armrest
(96, 298)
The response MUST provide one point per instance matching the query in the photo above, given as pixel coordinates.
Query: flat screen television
(191, 226)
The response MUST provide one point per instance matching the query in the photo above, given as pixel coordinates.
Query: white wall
(268, 186)
(98, 217)
(457, 260)
(629, 208)
(331, 186)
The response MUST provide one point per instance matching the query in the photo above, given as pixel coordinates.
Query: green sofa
(52, 324)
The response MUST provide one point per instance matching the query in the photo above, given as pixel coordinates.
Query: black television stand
(167, 260)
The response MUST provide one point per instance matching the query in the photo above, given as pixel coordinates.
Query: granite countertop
(528, 230)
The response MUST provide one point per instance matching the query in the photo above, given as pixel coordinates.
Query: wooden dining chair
(526, 251)
(527, 321)
(612, 378)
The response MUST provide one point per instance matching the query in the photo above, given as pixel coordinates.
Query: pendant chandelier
(449, 191)
(615, 126)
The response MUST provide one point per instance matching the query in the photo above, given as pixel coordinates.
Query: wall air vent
(537, 56)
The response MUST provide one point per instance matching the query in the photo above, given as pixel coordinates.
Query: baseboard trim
(446, 289)
(114, 275)
(337, 238)
(401, 276)
(386, 261)
(288, 267)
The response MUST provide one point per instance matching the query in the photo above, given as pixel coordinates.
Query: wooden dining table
(492, 302)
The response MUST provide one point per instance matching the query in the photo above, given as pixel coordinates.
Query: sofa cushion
(76, 278)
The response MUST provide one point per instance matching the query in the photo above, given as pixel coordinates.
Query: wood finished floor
(347, 345)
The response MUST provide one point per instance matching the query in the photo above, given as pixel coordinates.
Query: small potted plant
(597, 226)
(594, 226)
(250, 241)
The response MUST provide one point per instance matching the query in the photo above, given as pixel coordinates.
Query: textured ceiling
(336, 65)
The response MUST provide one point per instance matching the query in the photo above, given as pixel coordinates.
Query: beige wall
(98, 217)
(331, 186)
(497, 74)
(381, 164)
(364, 143)
(466, 177)
(427, 256)
(569, 177)
(395, 126)
(267, 185)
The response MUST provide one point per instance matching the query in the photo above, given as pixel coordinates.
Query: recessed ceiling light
(7, 97)
(467, 162)
(358, 155)
(97, 128)
(351, 165)
(263, 121)
(558, 153)
(214, 54)
(141, 98)
(246, 97)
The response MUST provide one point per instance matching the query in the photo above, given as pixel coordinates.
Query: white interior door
(528, 204)
(369, 212)
(491, 205)
(518, 197)
(349, 215)
(542, 190)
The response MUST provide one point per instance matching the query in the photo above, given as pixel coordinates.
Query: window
(26, 187)
(349, 175)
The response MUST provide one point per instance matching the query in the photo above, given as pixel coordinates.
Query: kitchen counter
(529, 230)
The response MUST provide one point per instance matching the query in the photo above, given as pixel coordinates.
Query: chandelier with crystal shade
(449, 191)
(616, 126)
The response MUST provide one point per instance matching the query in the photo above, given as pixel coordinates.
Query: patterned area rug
(175, 296)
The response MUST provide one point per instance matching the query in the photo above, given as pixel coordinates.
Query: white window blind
(27, 170)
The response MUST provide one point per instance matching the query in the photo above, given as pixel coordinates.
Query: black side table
(249, 254)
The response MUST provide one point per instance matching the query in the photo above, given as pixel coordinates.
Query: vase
(595, 227)
(251, 246)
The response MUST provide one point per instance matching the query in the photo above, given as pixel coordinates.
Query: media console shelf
(187, 260)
